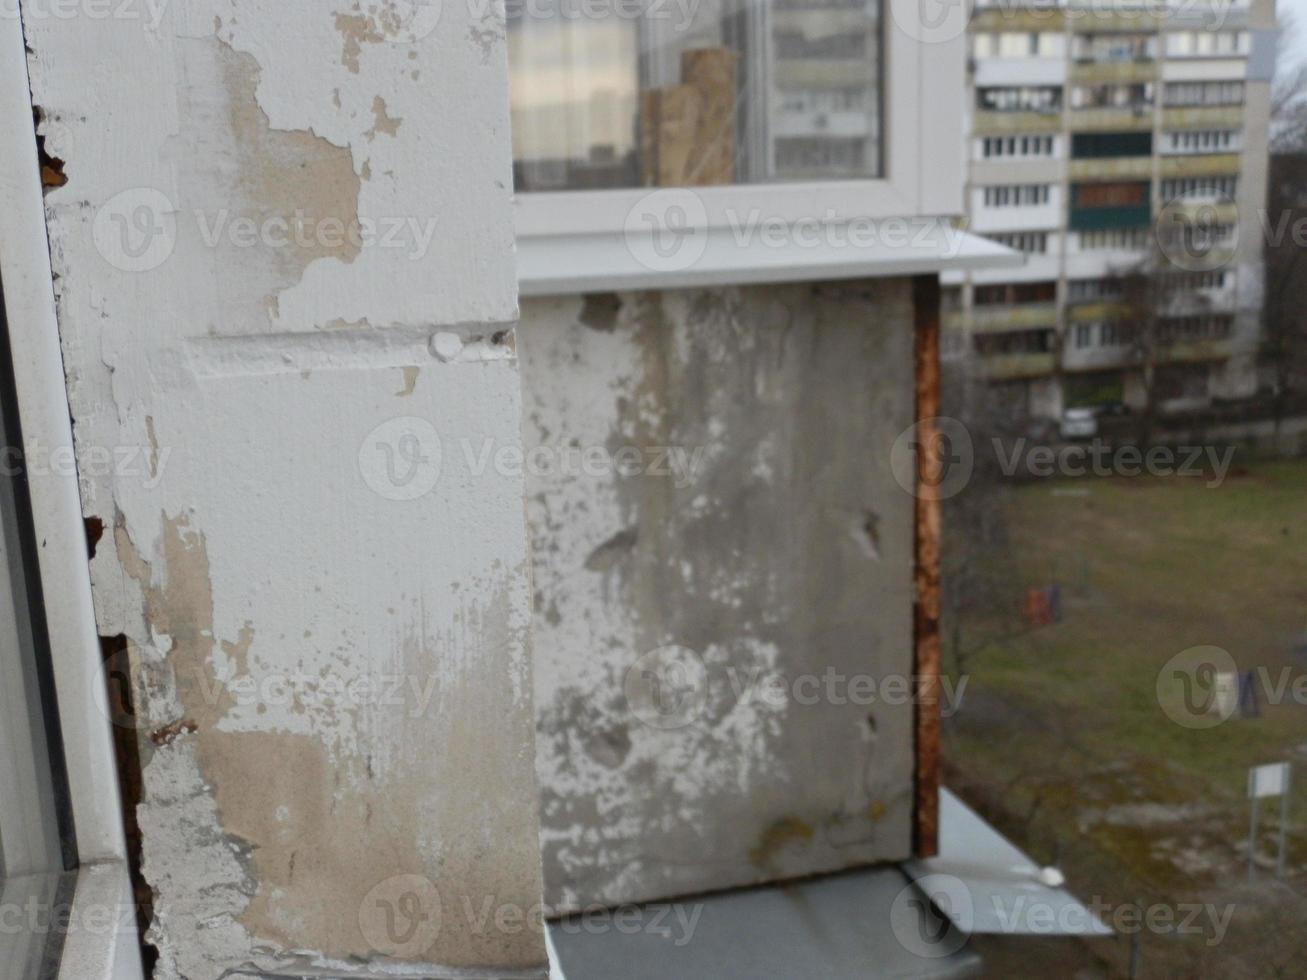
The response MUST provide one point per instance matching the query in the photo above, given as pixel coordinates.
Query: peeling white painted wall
(284, 269)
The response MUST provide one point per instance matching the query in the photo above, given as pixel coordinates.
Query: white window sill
(101, 942)
(559, 264)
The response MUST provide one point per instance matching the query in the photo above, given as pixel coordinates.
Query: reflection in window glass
(634, 93)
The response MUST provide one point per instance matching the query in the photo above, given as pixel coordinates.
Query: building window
(1016, 195)
(1188, 329)
(1093, 145)
(1039, 341)
(1116, 204)
(1030, 242)
(1204, 93)
(1198, 238)
(1207, 44)
(1113, 195)
(1020, 98)
(1003, 294)
(1101, 333)
(1113, 239)
(1094, 290)
(1199, 188)
(1034, 292)
(1201, 141)
(817, 155)
(780, 90)
(992, 147)
(1136, 97)
(1017, 44)
(1185, 282)
(1101, 48)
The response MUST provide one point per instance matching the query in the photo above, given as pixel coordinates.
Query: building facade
(1115, 143)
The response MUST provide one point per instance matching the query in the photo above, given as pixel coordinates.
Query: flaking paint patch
(279, 179)
(356, 30)
(154, 447)
(382, 121)
(280, 817)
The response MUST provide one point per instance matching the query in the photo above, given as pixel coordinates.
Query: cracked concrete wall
(285, 282)
(716, 530)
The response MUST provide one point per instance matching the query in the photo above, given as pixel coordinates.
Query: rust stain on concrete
(785, 831)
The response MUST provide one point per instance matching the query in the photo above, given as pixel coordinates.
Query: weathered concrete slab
(722, 574)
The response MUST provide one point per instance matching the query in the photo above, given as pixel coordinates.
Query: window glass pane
(633, 93)
(33, 833)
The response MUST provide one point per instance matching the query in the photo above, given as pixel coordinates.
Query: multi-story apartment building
(1094, 126)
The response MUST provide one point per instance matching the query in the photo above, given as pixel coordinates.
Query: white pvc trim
(554, 265)
(101, 942)
(56, 503)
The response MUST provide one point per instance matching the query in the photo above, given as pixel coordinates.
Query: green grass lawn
(1065, 718)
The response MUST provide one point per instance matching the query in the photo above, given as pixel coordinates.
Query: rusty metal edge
(926, 556)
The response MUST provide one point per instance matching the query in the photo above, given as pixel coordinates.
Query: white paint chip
(446, 346)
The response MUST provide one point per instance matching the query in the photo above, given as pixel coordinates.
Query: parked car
(1079, 423)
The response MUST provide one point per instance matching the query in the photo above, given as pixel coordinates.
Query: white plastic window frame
(923, 70)
(99, 952)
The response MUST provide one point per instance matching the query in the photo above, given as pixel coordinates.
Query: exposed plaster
(356, 30)
(410, 373)
(383, 123)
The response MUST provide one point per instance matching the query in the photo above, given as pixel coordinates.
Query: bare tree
(976, 586)
(1284, 311)
(1289, 90)
(1149, 292)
